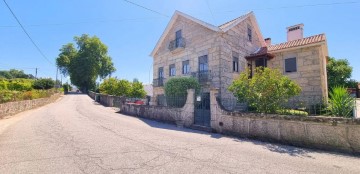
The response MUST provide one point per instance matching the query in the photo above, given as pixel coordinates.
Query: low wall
(12, 108)
(106, 100)
(327, 133)
(181, 116)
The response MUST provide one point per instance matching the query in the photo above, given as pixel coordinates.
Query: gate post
(187, 112)
(214, 108)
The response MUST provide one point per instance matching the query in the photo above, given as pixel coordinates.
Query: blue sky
(131, 32)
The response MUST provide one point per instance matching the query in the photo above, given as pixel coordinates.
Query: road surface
(76, 135)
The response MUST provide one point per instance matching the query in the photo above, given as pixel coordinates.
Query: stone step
(201, 128)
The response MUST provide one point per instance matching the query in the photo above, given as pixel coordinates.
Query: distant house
(216, 55)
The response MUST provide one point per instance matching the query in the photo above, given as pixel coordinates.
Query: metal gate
(202, 109)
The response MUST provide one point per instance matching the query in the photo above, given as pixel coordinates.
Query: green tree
(266, 91)
(14, 73)
(137, 90)
(114, 86)
(45, 83)
(85, 64)
(339, 73)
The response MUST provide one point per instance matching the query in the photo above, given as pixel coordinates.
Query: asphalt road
(76, 135)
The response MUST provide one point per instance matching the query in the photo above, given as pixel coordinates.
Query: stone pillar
(214, 108)
(357, 108)
(187, 112)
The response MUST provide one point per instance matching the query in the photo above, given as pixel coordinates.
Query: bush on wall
(176, 90)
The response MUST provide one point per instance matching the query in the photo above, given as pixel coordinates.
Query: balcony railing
(159, 82)
(202, 76)
(177, 43)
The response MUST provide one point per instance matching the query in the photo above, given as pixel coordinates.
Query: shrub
(3, 84)
(137, 90)
(266, 91)
(46, 83)
(10, 96)
(19, 84)
(176, 90)
(341, 104)
(291, 112)
(114, 86)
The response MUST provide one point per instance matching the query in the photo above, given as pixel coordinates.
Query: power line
(32, 41)
(79, 22)
(298, 6)
(146, 8)
(212, 15)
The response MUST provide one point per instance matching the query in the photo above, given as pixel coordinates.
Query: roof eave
(171, 23)
(299, 47)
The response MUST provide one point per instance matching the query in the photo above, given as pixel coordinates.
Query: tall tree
(339, 73)
(85, 63)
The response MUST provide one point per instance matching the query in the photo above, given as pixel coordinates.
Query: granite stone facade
(227, 47)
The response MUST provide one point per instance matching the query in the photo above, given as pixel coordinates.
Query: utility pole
(36, 73)
(56, 81)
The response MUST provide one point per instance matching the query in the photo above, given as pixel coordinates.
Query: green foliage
(3, 84)
(292, 112)
(66, 87)
(86, 63)
(137, 90)
(339, 73)
(13, 74)
(45, 83)
(20, 84)
(11, 96)
(341, 104)
(176, 90)
(177, 86)
(266, 91)
(114, 86)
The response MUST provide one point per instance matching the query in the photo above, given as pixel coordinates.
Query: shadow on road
(278, 148)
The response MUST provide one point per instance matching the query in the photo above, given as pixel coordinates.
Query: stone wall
(107, 100)
(12, 108)
(218, 46)
(327, 133)
(181, 116)
(310, 74)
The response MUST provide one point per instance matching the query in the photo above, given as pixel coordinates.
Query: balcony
(202, 76)
(158, 82)
(177, 43)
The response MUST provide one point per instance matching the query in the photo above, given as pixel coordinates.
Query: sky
(131, 28)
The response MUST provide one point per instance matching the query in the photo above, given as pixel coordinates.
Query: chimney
(295, 32)
(268, 41)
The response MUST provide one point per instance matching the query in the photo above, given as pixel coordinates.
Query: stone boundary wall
(106, 100)
(12, 108)
(326, 133)
(182, 116)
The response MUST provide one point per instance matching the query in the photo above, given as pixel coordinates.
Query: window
(249, 34)
(235, 64)
(178, 36)
(186, 67)
(203, 63)
(161, 73)
(262, 62)
(172, 70)
(290, 65)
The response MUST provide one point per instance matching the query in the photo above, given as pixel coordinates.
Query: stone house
(216, 55)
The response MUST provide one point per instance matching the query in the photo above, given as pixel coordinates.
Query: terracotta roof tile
(300, 42)
(261, 52)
